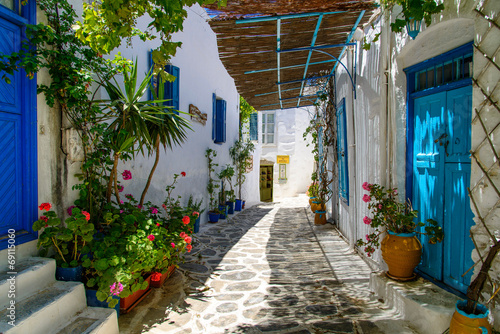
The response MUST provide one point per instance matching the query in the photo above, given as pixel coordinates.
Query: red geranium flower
(189, 247)
(86, 214)
(183, 174)
(45, 206)
(185, 220)
(44, 218)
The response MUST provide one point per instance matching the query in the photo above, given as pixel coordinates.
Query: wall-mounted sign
(283, 159)
(197, 115)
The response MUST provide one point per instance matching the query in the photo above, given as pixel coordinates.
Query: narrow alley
(267, 269)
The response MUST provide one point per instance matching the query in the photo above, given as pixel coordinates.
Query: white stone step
(428, 307)
(31, 275)
(46, 310)
(92, 320)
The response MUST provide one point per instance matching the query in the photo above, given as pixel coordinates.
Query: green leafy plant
(195, 206)
(241, 155)
(391, 215)
(212, 185)
(68, 240)
(413, 10)
(226, 175)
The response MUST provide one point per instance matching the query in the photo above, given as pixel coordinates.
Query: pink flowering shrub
(388, 214)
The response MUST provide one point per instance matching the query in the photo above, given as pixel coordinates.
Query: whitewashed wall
(376, 119)
(201, 74)
(290, 124)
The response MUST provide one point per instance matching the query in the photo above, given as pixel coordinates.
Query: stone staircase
(35, 302)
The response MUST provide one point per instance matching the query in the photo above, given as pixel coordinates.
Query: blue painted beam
(284, 17)
(278, 47)
(288, 67)
(276, 92)
(313, 42)
(304, 79)
(320, 47)
(298, 97)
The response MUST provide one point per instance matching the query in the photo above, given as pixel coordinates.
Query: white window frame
(264, 128)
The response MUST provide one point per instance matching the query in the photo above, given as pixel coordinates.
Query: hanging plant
(413, 10)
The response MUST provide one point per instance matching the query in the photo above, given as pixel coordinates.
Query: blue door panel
(457, 223)
(427, 170)
(18, 174)
(458, 118)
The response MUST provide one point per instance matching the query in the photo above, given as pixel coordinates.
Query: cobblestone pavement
(268, 269)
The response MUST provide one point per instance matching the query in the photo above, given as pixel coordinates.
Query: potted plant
(226, 196)
(401, 250)
(196, 211)
(68, 240)
(470, 316)
(241, 155)
(312, 191)
(212, 186)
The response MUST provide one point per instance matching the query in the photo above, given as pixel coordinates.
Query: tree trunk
(112, 176)
(157, 159)
(475, 288)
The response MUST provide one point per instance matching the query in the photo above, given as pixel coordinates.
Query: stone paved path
(267, 269)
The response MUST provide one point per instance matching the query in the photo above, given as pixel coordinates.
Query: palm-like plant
(136, 123)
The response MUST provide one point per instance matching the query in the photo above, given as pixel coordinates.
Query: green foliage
(245, 111)
(226, 175)
(107, 23)
(241, 154)
(68, 240)
(212, 185)
(413, 9)
(391, 215)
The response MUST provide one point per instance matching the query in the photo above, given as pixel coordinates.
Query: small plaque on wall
(283, 159)
(197, 115)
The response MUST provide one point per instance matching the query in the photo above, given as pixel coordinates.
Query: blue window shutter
(154, 78)
(214, 115)
(224, 118)
(342, 152)
(254, 130)
(172, 88)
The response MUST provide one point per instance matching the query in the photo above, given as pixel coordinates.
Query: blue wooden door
(441, 169)
(17, 137)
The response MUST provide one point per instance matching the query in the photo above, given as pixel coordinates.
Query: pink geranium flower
(366, 186)
(366, 198)
(127, 175)
(154, 210)
(151, 237)
(120, 188)
(172, 244)
(116, 288)
(367, 220)
(70, 210)
(196, 213)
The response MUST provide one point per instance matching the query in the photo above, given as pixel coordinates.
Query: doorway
(266, 183)
(439, 142)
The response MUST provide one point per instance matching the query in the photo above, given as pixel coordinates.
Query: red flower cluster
(86, 214)
(45, 206)
(156, 276)
(185, 220)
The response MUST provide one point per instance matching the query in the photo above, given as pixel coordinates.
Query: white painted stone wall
(201, 74)
(376, 119)
(290, 124)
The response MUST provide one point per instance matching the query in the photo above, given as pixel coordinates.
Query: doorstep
(426, 306)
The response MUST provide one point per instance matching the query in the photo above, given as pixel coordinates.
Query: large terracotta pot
(463, 323)
(402, 254)
(128, 303)
(317, 206)
(320, 218)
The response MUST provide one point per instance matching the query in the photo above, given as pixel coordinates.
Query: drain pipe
(353, 155)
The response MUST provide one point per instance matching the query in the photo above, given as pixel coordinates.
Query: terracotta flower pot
(317, 206)
(463, 323)
(402, 254)
(157, 283)
(128, 303)
(311, 199)
(320, 218)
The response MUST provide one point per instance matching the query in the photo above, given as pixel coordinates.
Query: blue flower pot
(223, 211)
(197, 225)
(69, 274)
(230, 206)
(213, 217)
(237, 205)
(94, 302)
